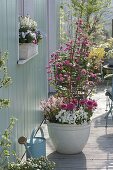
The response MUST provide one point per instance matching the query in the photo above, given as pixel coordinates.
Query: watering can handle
(33, 134)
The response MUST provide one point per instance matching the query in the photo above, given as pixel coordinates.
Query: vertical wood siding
(29, 80)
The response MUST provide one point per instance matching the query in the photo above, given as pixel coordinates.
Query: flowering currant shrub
(74, 79)
(69, 69)
(28, 32)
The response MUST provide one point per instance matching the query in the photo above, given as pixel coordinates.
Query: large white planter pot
(27, 50)
(68, 139)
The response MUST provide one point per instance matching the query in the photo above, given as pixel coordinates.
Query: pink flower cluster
(51, 104)
(57, 106)
(61, 103)
(87, 104)
(69, 65)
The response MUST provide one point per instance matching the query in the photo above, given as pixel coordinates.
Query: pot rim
(58, 125)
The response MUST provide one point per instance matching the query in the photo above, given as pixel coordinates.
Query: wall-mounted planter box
(26, 50)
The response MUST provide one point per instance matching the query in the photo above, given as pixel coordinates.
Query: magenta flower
(82, 102)
(75, 101)
(64, 106)
(94, 103)
(91, 104)
(70, 106)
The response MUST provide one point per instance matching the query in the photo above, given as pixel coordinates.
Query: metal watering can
(35, 146)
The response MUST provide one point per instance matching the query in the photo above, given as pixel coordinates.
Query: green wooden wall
(29, 80)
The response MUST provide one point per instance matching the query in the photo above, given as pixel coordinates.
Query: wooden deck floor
(98, 152)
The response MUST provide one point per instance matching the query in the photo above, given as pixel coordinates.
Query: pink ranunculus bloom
(91, 104)
(94, 103)
(70, 106)
(64, 106)
(75, 101)
(82, 102)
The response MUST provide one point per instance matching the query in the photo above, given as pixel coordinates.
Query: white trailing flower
(70, 117)
(27, 22)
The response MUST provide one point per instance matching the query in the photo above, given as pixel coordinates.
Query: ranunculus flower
(75, 101)
(70, 106)
(64, 106)
(82, 102)
(94, 103)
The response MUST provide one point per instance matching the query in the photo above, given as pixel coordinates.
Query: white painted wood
(52, 25)
(52, 29)
(27, 50)
(26, 7)
(29, 85)
(20, 7)
(29, 8)
(24, 61)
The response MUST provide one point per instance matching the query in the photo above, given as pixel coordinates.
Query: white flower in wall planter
(29, 37)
